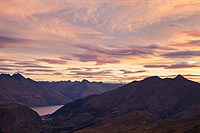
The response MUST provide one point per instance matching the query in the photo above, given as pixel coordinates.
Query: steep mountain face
(142, 122)
(165, 98)
(85, 88)
(16, 118)
(17, 89)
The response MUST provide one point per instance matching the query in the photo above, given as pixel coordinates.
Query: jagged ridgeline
(18, 89)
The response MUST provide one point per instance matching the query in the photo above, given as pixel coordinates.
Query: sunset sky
(100, 40)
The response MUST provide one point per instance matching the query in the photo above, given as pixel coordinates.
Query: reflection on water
(46, 110)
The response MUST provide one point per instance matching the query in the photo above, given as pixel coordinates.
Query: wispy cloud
(174, 25)
(195, 33)
(181, 65)
(100, 59)
(156, 66)
(65, 58)
(91, 68)
(39, 70)
(32, 64)
(132, 72)
(101, 62)
(86, 73)
(111, 56)
(188, 43)
(8, 42)
(5, 69)
(44, 74)
(181, 54)
(57, 73)
(53, 61)
(73, 68)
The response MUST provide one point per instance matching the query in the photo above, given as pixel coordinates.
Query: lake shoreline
(45, 110)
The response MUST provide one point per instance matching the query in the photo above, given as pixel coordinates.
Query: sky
(100, 40)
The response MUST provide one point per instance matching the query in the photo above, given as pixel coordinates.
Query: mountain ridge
(161, 97)
(17, 88)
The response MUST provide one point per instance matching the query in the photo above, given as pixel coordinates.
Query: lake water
(46, 110)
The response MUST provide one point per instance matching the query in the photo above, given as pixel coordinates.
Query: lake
(46, 109)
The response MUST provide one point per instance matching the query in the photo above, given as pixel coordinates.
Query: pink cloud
(181, 65)
(195, 33)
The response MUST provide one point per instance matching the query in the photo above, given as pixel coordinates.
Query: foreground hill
(177, 98)
(16, 118)
(17, 89)
(143, 122)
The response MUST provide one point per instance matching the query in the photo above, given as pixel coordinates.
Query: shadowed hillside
(16, 118)
(143, 122)
(176, 98)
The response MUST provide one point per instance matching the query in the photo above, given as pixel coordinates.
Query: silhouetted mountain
(85, 88)
(18, 76)
(76, 90)
(18, 89)
(59, 85)
(16, 118)
(165, 98)
(85, 81)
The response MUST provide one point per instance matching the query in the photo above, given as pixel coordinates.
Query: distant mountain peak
(5, 75)
(69, 81)
(179, 77)
(17, 76)
(152, 78)
(85, 81)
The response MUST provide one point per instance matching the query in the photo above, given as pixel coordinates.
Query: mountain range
(18, 89)
(147, 106)
(169, 98)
